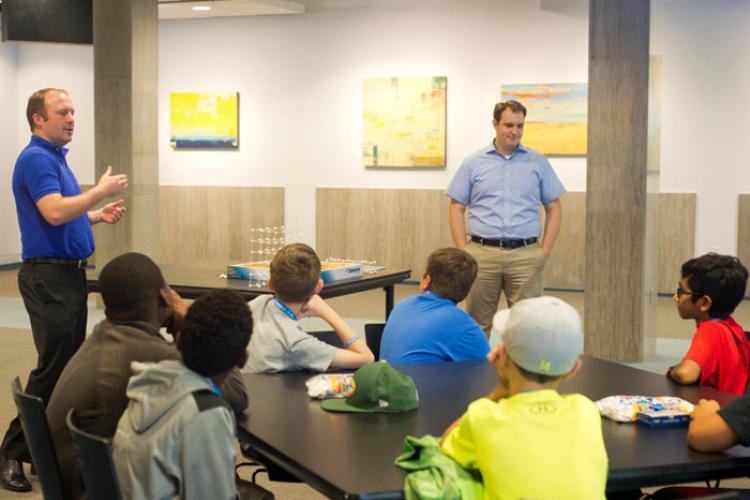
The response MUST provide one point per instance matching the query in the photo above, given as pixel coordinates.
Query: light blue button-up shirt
(503, 194)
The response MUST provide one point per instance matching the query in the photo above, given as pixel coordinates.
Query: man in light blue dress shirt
(503, 185)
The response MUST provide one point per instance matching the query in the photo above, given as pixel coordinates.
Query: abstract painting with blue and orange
(556, 118)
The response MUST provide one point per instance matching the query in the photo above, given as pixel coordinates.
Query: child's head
(215, 333)
(133, 288)
(542, 336)
(450, 273)
(711, 283)
(295, 273)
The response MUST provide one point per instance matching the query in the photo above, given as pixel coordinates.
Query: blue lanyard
(216, 389)
(285, 309)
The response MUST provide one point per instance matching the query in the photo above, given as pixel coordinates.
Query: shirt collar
(140, 325)
(491, 149)
(432, 296)
(39, 141)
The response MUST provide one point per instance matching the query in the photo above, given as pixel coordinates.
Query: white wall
(300, 78)
(70, 67)
(300, 84)
(10, 244)
(706, 112)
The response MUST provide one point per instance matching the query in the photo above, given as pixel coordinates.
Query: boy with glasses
(710, 288)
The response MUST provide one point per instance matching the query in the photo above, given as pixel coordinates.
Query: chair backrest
(329, 337)
(95, 455)
(373, 334)
(38, 437)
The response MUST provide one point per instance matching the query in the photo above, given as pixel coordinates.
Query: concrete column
(126, 115)
(620, 214)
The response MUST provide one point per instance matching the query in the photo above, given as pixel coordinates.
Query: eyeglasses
(681, 291)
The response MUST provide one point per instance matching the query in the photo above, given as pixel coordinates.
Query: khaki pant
(517, 272)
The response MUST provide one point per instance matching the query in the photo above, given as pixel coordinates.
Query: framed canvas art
(404, 122)
(556, 119)
(204, 120)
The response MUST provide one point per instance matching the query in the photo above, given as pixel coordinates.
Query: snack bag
(627, 408)
(330, 385)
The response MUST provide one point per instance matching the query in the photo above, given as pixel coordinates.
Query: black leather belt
(506, 243)
(79, 264)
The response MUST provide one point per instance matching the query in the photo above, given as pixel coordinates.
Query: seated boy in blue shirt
(429, 327)
(279, 343)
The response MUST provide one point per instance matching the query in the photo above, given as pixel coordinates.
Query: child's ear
(243, 360)
(319, 286)
(164, 298)
(706, 303)
(270, 284)
(573, 370)
(424, 285)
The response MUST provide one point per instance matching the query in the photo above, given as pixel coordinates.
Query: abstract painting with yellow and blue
(556, 118)
(404, 122)
(204, 120)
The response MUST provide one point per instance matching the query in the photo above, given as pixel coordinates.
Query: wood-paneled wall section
(676, 230)
(400, 227)
(743, 231)
(395, 227)
(213, 223)
(565, 266)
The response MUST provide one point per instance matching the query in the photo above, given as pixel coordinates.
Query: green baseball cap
(378, 388)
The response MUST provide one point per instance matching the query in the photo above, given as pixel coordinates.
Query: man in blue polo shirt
(55, 220)
(503, 185)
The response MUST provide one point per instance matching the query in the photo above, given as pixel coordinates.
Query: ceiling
(183, 9)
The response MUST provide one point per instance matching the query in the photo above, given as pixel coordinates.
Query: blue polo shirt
(427, 328)
(504, 194)
(40, 170)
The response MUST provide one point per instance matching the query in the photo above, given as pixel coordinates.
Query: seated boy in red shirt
(710, 289)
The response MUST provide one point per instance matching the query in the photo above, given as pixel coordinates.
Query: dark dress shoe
(12, 476)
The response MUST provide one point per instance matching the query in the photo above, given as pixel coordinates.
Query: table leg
(388, 300)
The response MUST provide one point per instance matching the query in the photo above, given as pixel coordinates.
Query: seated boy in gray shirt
(278, 342)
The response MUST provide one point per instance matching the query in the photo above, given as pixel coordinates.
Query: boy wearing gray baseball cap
(526, 439)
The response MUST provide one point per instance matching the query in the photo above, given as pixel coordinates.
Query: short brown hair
(514, 106)
(37, 105)
(452, 272)
(295, 271)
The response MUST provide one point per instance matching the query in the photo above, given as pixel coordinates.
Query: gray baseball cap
(542, 335)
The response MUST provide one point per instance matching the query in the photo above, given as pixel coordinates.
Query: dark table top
(347, 455)
(191, 280)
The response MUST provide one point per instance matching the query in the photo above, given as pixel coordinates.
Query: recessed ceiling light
(201, 8)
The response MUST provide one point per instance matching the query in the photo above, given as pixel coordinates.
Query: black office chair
(374, 334)
(329, 337)
(39, 439)
(95, 456)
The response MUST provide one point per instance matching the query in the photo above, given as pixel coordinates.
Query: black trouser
(55, 298)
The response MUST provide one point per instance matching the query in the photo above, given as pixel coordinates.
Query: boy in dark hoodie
(177, 437)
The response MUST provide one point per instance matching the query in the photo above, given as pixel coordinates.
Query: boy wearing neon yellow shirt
(526, 439)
